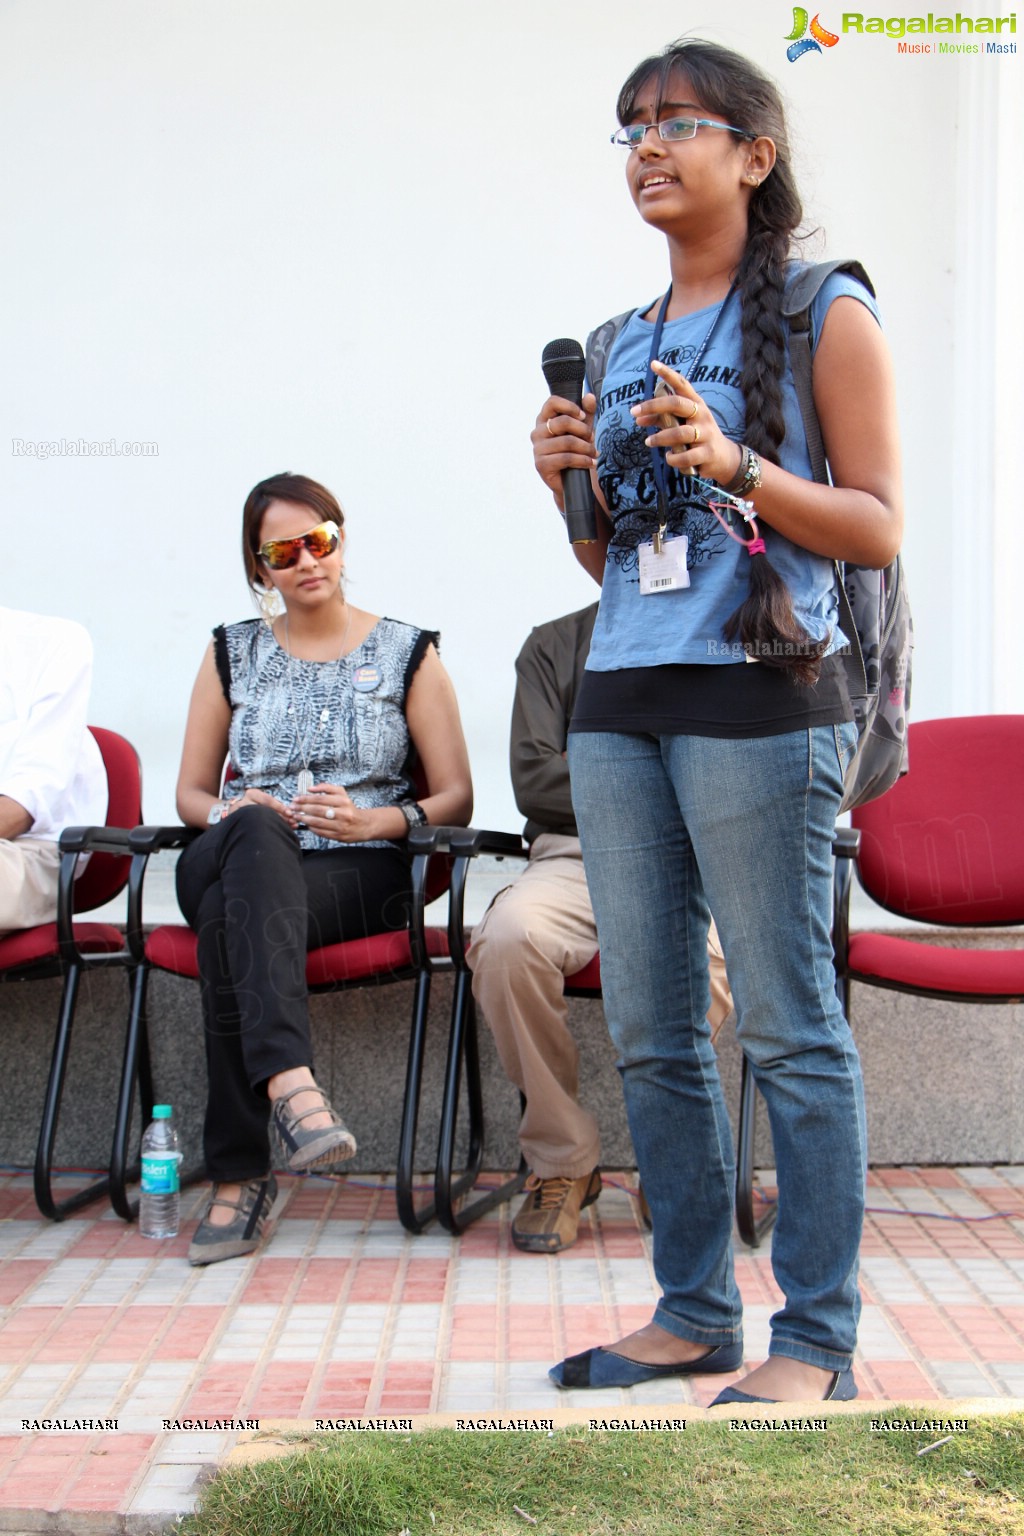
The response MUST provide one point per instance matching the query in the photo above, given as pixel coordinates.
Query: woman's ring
(696, 408)
(696, 435)
(548, 425)
(329, 813)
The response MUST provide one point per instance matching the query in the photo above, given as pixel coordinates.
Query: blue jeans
(672, 826)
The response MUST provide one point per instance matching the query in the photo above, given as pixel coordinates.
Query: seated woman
(320, 711)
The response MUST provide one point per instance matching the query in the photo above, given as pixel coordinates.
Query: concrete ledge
(945, 1082)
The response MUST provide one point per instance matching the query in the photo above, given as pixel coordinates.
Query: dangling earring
(270, 603)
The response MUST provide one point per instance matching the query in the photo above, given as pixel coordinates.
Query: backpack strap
(599, 346)
(796, 308)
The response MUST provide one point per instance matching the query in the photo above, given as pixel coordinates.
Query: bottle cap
(161, 1111)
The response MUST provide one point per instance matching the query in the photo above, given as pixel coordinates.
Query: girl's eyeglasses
(281, 554)
(671, 129)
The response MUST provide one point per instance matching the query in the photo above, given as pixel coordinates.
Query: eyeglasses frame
(698, 122)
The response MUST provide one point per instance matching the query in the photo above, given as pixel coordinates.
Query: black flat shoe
(256, 1205)
(601, 1368)
(842, 1389)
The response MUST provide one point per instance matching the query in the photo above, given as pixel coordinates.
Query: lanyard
(658, 454)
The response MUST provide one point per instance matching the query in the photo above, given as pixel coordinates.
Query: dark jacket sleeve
(548, 672)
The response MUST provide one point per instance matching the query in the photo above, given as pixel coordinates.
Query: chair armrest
(423, 843)
(78, 840)
(147, 840)
(143, 842)
(462, 844)
(74, 841)
(428, 839)
(845, 848)
(467, 843)
(473, 841)
(470, 841)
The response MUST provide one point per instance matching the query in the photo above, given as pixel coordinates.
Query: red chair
(944, 847)
(468, 843)
(68, 948)
(412, 954)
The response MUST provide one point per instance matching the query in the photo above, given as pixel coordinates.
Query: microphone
(564, 366)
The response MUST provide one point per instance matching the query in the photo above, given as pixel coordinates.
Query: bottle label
(160, 1173)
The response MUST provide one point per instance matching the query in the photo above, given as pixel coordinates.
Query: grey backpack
(874, 609)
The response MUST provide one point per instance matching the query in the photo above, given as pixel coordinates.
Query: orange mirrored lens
(281, 554)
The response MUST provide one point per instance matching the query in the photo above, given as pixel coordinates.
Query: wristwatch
(414, 813)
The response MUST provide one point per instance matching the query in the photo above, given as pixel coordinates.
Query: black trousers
(257, 903)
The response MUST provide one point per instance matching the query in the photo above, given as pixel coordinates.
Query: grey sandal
(253, 1209)
(302, 1148)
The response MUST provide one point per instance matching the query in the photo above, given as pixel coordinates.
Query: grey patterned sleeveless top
(346, 717)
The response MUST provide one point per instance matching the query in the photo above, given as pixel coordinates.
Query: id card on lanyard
(662, 560)
(663, 564)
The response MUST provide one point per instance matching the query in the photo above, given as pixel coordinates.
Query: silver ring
(329, 813)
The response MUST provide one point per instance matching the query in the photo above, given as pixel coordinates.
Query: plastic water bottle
(160, 1198)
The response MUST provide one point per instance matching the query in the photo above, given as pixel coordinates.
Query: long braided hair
(734, 89)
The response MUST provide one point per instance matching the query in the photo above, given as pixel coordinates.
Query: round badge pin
(366, 678)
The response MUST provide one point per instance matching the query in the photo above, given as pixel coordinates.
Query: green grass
(709, 1480)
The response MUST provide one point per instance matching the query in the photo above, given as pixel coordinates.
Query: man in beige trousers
(541, 930)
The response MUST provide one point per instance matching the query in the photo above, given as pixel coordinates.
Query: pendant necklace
(304, 782)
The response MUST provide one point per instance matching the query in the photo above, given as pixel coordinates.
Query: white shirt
(49, 761)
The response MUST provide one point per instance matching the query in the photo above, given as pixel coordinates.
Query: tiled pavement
(344, 1315)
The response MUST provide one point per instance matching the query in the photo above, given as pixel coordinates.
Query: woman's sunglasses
(281, 554)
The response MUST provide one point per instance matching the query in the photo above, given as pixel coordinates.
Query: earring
(270, 603)
(754, 181)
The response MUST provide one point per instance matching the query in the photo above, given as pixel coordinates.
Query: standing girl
(702, 781)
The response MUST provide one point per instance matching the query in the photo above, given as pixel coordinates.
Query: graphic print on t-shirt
(625, 471)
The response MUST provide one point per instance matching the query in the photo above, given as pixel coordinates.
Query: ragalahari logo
(800, 43)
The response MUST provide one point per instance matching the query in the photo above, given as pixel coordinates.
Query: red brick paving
(509, 1332)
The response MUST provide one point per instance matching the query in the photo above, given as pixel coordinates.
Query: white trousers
(29, 867)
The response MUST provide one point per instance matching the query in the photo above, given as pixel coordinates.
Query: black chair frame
(467, 843)
(424, 843)
(135, 1067)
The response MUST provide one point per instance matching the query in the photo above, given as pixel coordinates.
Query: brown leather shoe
(549, 1217)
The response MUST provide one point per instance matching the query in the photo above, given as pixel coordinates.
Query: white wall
(334, 239)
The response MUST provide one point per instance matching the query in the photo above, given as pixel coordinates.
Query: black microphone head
(564, 367)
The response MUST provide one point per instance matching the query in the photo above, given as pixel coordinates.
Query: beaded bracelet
(748, 476)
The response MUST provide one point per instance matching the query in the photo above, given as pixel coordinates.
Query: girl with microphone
(713, 726)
